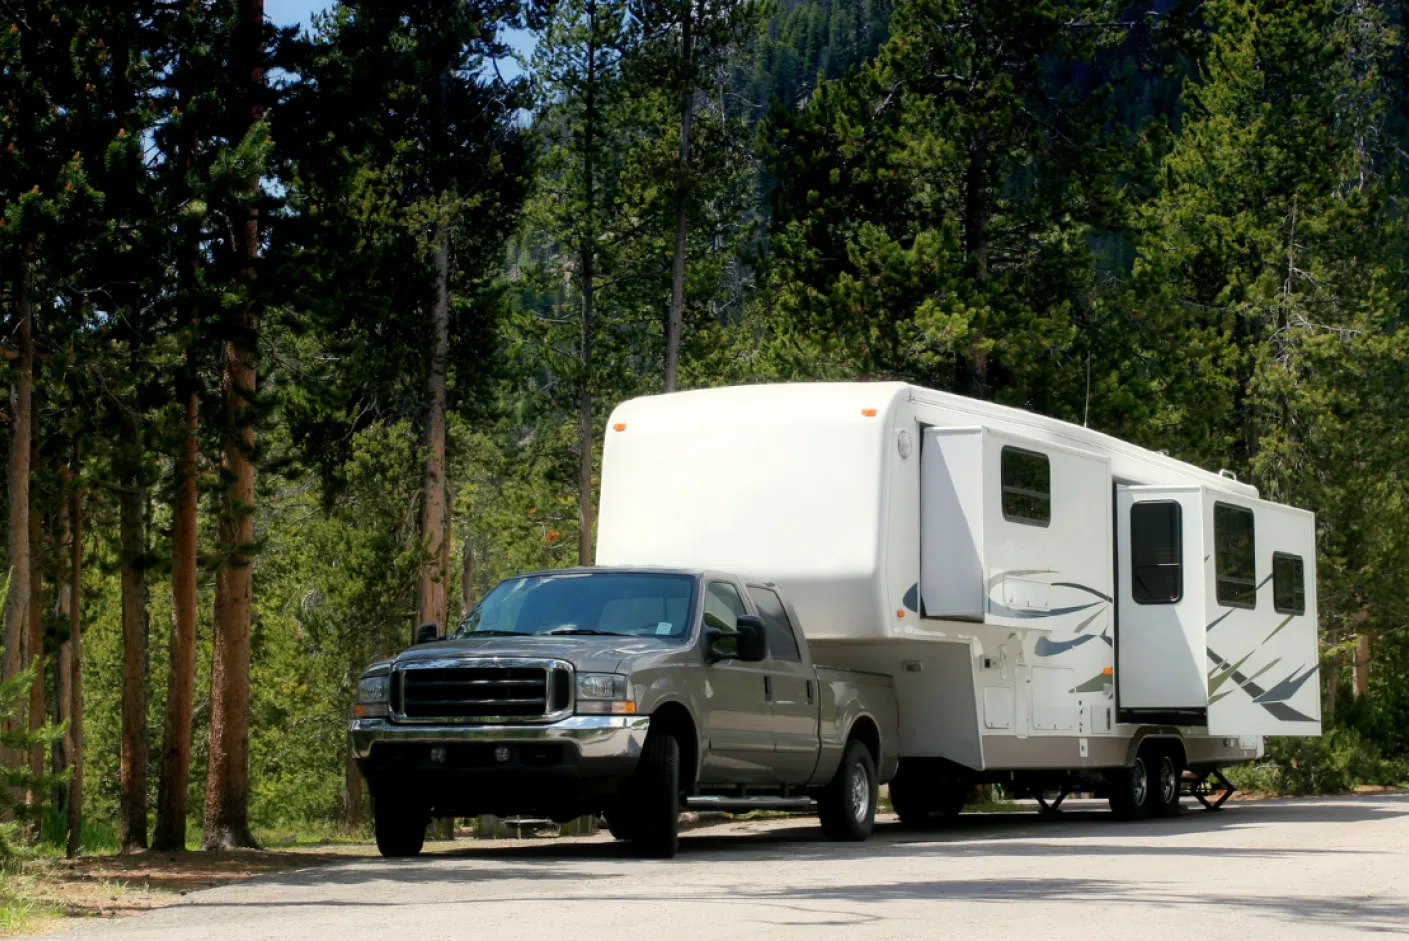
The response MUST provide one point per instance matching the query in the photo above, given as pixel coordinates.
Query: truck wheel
(847, 805)
(1132, 794)
(620, 823)
(923, 800)
(655, 820)
(1169, 774)
(401, 825)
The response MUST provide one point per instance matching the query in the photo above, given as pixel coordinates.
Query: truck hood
(586, 654)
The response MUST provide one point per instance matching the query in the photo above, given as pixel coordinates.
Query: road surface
(1302, 869)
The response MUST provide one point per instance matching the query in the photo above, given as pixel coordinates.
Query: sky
(288, 12)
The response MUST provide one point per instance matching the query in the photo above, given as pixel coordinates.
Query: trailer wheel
(654, 820)
(400, 822)
(1132, 790)
(1164, 787)
(926, 800)
(847, 805)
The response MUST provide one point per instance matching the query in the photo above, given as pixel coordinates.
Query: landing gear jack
(1213, 794)
(1056, 803)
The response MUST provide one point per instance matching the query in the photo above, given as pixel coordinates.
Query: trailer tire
(654, 821)
(926, 800)
(1131, 789)
(1164, 785)
(847, 805)
(400, 822)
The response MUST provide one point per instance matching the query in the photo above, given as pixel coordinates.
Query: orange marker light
(869, 412)
(619, 426)
(1106, 671)
(900, 612)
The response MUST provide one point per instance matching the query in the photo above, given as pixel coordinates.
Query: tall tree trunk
(181, 679)
(227, 776)
(34, 645)
(976, 245)
(467, 578)
(21, 373)
(430, 585)
(1333, 666)
(75, 797)
(352, 815)
(63, 657)
(676, 327)
(587, 267)
(1360, 679)
(132, 752)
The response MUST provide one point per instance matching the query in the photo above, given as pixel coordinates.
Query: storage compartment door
(951, 523)
(1159, 627)
(1261, 639)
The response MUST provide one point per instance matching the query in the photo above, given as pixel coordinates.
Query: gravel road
(1312, 869)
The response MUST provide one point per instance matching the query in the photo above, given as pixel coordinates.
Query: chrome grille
(480, 691)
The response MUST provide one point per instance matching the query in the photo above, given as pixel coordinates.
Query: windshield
(632, 604)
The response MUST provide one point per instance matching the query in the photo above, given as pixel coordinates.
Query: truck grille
(480, 691)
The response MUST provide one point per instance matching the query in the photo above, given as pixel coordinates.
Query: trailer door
(1159, 632)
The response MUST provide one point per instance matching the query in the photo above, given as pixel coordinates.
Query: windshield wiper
(583, 630)
(491, 634)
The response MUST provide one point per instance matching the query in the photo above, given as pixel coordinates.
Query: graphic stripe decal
(1086, 588)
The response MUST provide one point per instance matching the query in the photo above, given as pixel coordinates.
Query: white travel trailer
(1057, 607)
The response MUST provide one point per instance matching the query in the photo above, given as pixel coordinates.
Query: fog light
(501, 753)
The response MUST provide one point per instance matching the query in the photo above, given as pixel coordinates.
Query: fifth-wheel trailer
(1058, 608)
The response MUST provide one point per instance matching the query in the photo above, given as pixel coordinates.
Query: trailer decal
(1047, 647)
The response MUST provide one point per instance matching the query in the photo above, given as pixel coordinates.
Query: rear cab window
(782, 641)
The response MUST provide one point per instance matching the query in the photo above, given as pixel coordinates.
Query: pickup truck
(624, 692)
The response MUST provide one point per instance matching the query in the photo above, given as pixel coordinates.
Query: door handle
(768, 689)
(809, 692)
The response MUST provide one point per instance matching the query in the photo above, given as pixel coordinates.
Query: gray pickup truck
(622, 692)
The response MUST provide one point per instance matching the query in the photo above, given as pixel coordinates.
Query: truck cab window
(723, 606)
(1288, 584)
(1027, 487)
(1234, 556)
(1156, 552)
(782, 643)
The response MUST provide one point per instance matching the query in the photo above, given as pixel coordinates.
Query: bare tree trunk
(676, 328)
(75, 796)
(132, 752)
(63, 657)
(227, 775)
(587, 253)
(430, 585)
(467, 576)
(976, 245)
(1361, 678)
(34, 647)
(181, 679)
(17, 600)
(1333, 666)
(353, 813)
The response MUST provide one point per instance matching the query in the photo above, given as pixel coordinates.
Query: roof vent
(1225, 472)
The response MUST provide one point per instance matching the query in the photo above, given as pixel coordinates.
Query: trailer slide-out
(1057, 607)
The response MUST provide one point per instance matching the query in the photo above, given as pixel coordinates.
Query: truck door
(1159, 603)
(793, 685)
(737, 714)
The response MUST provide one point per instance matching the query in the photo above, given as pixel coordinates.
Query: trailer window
(1027, 487)
(1288, 584)
(1234, 556)
(1156, 552)
(782, 644)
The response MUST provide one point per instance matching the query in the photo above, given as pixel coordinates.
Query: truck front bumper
(501, 769)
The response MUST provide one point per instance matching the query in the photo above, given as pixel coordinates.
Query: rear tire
(1132, 789)
(654, 821)
(400, 823)
(847, 805)
(1168, 777)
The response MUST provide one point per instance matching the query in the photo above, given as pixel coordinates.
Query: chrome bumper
(605, 739)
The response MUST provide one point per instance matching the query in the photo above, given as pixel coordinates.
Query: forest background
(312, 334)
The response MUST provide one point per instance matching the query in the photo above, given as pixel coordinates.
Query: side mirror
(427, 633)
(753, 641)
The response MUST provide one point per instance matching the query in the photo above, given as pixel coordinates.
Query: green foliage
(1335, 763)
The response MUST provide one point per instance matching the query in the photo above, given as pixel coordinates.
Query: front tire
(1132, 789)
(920, 799)
(847, 805)
(400, 823)
(654, 821)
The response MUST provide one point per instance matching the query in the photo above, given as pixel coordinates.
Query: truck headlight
(373, 697)
(604, 694)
